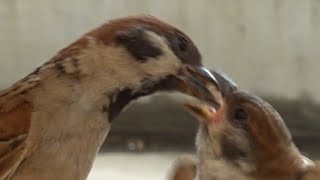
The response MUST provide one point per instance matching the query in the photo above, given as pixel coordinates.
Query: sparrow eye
(240, 114)
(182, 43)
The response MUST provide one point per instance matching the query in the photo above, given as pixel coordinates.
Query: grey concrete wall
(267, 46)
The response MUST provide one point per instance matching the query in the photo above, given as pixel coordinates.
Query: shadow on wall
(163, 124)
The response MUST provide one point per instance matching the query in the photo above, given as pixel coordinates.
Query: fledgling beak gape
(203, 112)
(211, 112)
(79, 92)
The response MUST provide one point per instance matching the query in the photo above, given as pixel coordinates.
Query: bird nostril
(183, 43)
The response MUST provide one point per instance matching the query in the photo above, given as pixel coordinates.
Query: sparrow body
(246, 139)
(53, 122)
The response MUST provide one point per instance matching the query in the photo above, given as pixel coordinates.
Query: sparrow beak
(202, 112)
(200, 83)
(208, 113)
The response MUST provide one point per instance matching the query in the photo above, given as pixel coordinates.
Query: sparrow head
(248, 133)
(138, 55)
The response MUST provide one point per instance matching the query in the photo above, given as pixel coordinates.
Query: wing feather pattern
(15, 117)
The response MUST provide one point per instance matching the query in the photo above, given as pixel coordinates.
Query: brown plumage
(246, 139)
(53, 121)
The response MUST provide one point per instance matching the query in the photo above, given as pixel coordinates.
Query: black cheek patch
(122, 99)
(136, 41)
(125, 96)
(184, 48)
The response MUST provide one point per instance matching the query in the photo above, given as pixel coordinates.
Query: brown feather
(11, 154)
(65, 98)
(14, 126)
(312, 174)
(15, 122)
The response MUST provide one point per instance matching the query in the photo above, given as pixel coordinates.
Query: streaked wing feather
(12, 97)
(11, 154)
(15, 117)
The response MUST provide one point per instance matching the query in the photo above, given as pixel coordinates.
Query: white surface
(132, 166)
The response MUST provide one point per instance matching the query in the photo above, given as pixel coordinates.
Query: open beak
(208, 113)
(200, 83)
(202, 112)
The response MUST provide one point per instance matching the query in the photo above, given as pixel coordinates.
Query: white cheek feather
(108, 67)
(246, 167)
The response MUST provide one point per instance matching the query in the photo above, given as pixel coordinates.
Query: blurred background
(269, 47)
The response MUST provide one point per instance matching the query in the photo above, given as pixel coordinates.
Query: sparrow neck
(286, 163)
